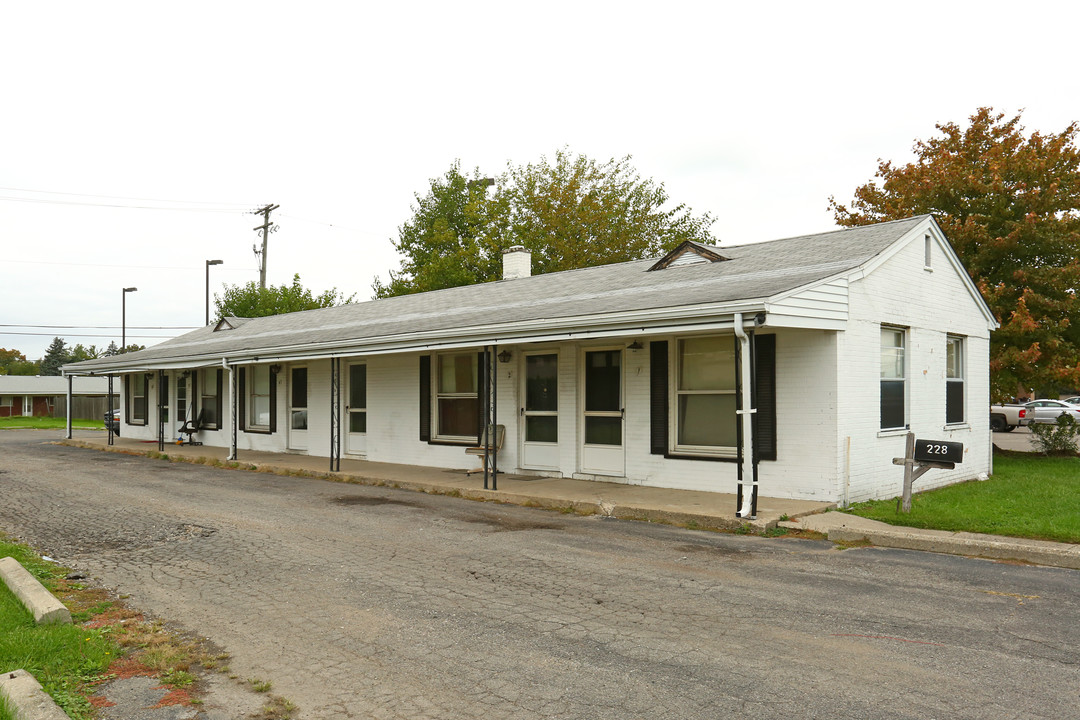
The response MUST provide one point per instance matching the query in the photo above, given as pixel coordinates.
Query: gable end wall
(931, 305)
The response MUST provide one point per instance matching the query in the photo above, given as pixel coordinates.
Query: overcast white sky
(339, 112)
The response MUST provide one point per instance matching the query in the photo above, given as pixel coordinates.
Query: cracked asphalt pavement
(363, 602)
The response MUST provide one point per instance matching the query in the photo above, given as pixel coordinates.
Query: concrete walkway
(702, 510)
(695, 509)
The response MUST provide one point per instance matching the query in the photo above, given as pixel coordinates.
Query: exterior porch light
(504, 356)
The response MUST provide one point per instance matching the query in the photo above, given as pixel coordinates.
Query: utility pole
(267, 227)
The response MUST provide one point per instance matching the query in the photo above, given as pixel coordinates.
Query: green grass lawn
(1029, 496)
(61, 657)
(49, 423)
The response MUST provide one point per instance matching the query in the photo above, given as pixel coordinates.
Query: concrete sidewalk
(695, 509)
(842, 527)
(704, 510)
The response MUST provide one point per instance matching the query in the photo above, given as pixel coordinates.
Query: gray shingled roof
(754, 272)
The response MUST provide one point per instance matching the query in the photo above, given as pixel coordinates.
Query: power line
(121, 197)
(53, 335)
(103, 265)
(102, 327)
(39, 201)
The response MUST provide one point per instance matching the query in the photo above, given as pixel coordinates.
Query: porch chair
(190, 427)
(482, 449)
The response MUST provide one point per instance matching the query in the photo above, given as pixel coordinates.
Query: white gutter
(746, 417)
(435, 340)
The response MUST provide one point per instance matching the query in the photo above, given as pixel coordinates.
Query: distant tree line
(14, 362)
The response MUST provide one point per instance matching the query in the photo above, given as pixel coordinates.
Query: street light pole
(208, 264)
(123, 317)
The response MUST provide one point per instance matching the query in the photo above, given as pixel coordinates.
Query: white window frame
(6, 401)
(133, 385)
(437, 395)
(207, 387)
(956, 341)
(903, 380)
(249, 416)
(675, 363)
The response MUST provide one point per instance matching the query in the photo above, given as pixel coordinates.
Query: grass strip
(1028, 496)
(49, 423)
(65, 659)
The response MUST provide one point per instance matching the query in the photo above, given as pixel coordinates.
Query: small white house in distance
(799, 364)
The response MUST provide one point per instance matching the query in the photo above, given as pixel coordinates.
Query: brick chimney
(517, 263)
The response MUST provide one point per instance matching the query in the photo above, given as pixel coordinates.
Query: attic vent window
(688, 253)
(224, 324)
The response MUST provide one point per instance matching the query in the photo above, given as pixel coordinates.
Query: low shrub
(1059, 438)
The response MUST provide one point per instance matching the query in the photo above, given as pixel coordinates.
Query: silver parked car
(1048, 411)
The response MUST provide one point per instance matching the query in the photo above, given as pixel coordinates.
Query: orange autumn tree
(1010, 206)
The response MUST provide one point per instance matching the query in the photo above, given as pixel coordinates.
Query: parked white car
(1048, 411)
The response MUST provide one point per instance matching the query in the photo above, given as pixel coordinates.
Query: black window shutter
(125, 380)
(218, 401)
(658, 397)
(193, 394)
(242, 400)
(764, 420)
(425, 398)
(481, 394)
(273, 402)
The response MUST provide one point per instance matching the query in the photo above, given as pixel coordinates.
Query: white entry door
(298, 408)
(602, 427)
(540, 412)
(356, 409)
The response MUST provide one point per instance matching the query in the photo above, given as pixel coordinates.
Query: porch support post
(160, 416)
(68, 413)
(335, 414)
(485, 436)
(108, 422)
(234, 418)
(747, 501)
(493, 436)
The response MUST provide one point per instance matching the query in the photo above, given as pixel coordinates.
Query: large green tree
(13, 362)
(570, 212)
(56, 355)
(249, 301)
(1009, 203)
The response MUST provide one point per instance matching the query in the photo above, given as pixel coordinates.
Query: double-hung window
(456, 398)
(210, 398)
(893, 378)
(258, 382)
(136, 409)
(705, 390)
(954, 380)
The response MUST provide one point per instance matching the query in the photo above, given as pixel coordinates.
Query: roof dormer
(688, 253)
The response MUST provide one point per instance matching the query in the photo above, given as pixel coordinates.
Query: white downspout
(746, 418)
(232, 415)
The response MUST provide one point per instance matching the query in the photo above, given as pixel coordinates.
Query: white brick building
(634, 373)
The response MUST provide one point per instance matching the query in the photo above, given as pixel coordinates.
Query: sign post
(923, 455)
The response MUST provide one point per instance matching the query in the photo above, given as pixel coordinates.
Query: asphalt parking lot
(364, 602)
(1018, 440)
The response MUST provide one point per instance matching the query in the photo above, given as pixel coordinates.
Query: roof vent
(517, 263)
(688, 253)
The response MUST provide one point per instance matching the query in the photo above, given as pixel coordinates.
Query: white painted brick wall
(932, 305)
(828, 399)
